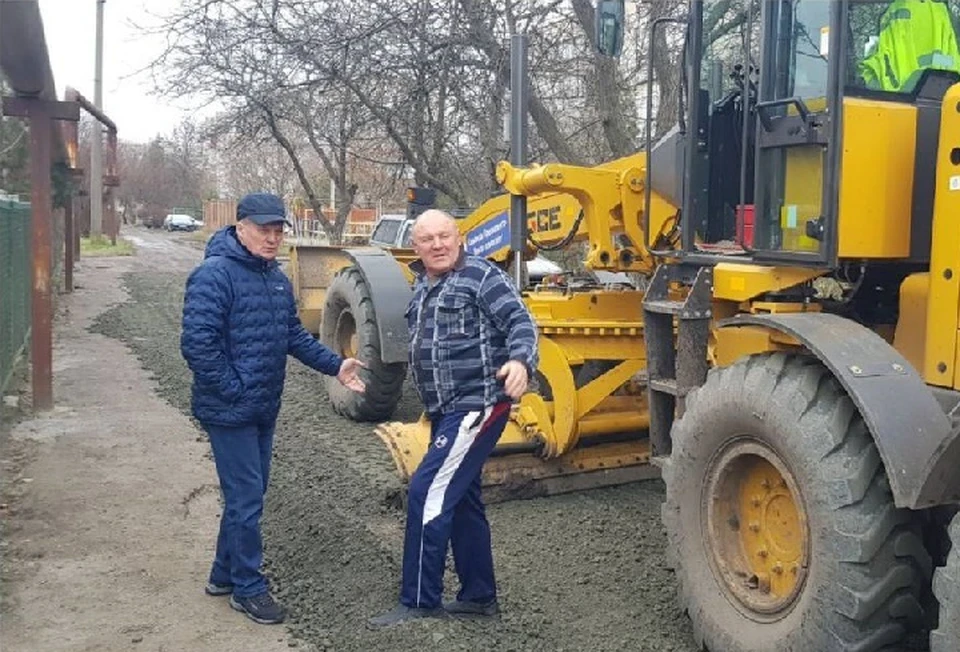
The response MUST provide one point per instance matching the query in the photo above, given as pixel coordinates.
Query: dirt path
(115, 530)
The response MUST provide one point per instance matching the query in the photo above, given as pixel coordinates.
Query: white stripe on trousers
(433, 505)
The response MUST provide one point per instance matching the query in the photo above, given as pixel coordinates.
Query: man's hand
(349, 375)
(515, 375)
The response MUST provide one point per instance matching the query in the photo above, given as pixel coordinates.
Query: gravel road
(575, 572)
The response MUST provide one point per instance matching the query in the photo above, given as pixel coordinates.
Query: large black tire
(349, 327)
(859, 564)
(946, 588)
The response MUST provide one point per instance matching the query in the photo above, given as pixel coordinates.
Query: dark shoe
(218, 589)
(401, 614)
(260, 608)
(469, 608)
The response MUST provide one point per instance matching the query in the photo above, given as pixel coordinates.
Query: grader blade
(514, 471)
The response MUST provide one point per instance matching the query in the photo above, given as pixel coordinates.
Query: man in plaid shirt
(473, 347)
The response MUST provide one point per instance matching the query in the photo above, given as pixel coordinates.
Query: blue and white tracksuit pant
(444, 506)
(242, 455)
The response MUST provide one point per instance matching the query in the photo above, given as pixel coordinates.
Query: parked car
(178, 222)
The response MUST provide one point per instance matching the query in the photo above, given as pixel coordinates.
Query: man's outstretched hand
(349, 375)
(514, 376)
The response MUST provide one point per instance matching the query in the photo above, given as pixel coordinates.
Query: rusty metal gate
(14, 284)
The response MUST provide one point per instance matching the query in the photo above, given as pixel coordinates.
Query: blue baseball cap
(262, 208)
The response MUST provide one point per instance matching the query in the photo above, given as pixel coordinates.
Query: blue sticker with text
(489, 236)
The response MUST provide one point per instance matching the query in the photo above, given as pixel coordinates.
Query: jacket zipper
(266, 286)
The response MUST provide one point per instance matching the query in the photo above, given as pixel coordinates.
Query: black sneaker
(260, 608)
(468, 608)
(402, 613)
(218, 589)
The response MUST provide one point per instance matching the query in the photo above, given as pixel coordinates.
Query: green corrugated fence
(14, 284)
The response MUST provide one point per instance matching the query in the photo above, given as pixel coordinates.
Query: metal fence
(14, 284)
(310, 231)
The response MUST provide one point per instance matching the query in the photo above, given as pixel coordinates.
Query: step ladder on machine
(677, 313)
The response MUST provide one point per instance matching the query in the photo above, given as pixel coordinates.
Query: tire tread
(384, 381)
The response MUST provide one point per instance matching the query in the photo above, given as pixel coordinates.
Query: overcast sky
(70, 30)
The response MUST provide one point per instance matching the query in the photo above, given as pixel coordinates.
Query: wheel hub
(756, 528)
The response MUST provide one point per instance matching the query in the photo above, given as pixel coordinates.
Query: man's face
(261, 240)
(436, 241)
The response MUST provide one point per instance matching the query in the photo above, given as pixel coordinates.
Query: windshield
(386, 232)
(407, 241)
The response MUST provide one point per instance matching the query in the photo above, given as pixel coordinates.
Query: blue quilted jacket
(239, 323)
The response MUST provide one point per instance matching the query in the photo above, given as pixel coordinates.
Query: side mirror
(608, 27)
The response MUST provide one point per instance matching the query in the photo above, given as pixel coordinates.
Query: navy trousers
(444, 507)
(242, 456)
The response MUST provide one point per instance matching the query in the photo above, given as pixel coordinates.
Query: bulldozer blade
(512, 474)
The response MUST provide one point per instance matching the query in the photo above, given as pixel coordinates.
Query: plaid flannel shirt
(463, 328)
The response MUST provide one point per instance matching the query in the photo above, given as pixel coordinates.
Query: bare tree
(243, 166)
(230, 51)
(14, 159)
(163, 175)
(421, 86)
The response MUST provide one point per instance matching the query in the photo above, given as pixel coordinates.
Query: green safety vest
(914, 35)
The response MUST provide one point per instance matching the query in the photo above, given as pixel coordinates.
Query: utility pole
(96, 144)
(519, 100)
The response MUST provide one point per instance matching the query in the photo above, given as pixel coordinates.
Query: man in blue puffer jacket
(239, 324)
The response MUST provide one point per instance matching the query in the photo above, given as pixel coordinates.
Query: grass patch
(100, 246)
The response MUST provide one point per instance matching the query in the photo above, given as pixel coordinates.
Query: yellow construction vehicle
(591, 351)
(591, 344)
(792, 364)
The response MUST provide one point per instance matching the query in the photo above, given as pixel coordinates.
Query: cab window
(386, 232)
(406, 241)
